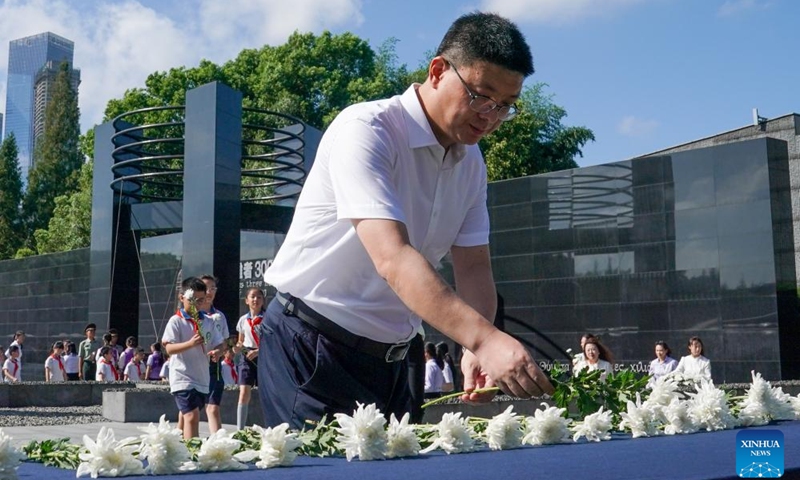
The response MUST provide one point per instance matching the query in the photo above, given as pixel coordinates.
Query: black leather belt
(390, 352)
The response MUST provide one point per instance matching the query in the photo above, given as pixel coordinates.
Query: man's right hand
(508, 365)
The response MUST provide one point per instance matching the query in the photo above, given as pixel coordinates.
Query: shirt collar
(420, 133)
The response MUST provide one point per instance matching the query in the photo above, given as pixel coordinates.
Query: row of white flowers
(367, 436)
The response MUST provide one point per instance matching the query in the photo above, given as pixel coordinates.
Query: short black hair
(194, 283)
(208, 276)
(488, 37)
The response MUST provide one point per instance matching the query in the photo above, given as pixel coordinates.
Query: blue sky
(642, 74)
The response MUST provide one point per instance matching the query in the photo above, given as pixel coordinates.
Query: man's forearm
(424, 291)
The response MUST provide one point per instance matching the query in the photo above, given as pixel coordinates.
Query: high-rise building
(43, 91)
(26, 58)
(1, 127)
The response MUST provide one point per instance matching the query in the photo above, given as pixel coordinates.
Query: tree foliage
(311, 77)
(57, 156)
(535, 141)
(10, 198)
(71, 224)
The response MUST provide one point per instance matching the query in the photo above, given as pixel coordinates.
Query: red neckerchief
(113, 370)
(195, 323)
(138, 369)
(16, 367)
(60, 364)
(229, 362)
(253, 324)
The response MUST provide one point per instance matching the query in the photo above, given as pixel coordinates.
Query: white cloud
(631, 126)
(733, 7)
(554, 11)
(118, 44)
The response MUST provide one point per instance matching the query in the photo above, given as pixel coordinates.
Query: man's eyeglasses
(483, 104)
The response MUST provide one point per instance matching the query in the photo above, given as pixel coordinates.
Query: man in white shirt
(396, 185)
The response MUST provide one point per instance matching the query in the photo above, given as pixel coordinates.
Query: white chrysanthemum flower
(277, 446)
(795, 402)
(163, 448)
(108, 457)
(10, 457)
(677, 419)
(402, 441)
(595, 427)
(188, 294)
(708, 408)
(763, 403)
(641, 419)
(663, 390)
(546, 427)
(363, 435)
(453, 435)
(216, 453)
(504, 430)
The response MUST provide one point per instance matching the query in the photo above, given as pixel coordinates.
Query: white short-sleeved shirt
(378, 160)
(220, 322)
(56, 373)
(697, 368)
(14, 368)
(227, 373)
(107, 370)
(134, 371)
(434, 378)
(71, 363)
(243, 327)
(189, 369)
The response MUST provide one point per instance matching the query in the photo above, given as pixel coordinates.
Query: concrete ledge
(148, 404)
(43, 394)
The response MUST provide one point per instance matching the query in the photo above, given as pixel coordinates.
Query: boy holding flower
(189, 338)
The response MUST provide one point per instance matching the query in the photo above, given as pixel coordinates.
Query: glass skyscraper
(26, 57)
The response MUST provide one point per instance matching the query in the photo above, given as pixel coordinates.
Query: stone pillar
(212, 188)
(114, 267)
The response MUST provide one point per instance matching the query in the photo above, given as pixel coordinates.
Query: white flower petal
(363, 435)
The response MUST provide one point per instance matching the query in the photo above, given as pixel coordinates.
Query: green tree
(10, 198)
(71, 224)
(57, 156)
(535, 141)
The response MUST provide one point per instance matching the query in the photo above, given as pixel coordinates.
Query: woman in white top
(595, 357)
(695, 365)
(434, 378)
(579, 357)
(663, 363)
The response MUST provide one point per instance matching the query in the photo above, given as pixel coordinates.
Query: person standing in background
(87, 350)
(71, 362)
(217, 385)
(54, 367)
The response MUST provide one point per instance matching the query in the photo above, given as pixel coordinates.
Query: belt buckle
(396, 352)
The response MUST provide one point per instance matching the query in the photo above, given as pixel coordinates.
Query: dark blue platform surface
(683, 457)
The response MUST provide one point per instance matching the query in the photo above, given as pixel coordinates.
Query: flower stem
(458, 394)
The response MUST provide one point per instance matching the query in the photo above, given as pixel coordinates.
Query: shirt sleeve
(475, 228)
(362, 172)
(172, 332)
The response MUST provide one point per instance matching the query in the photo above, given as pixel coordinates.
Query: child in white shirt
(134, 370)
(11, 367)
(106, 371)
(53, 366)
